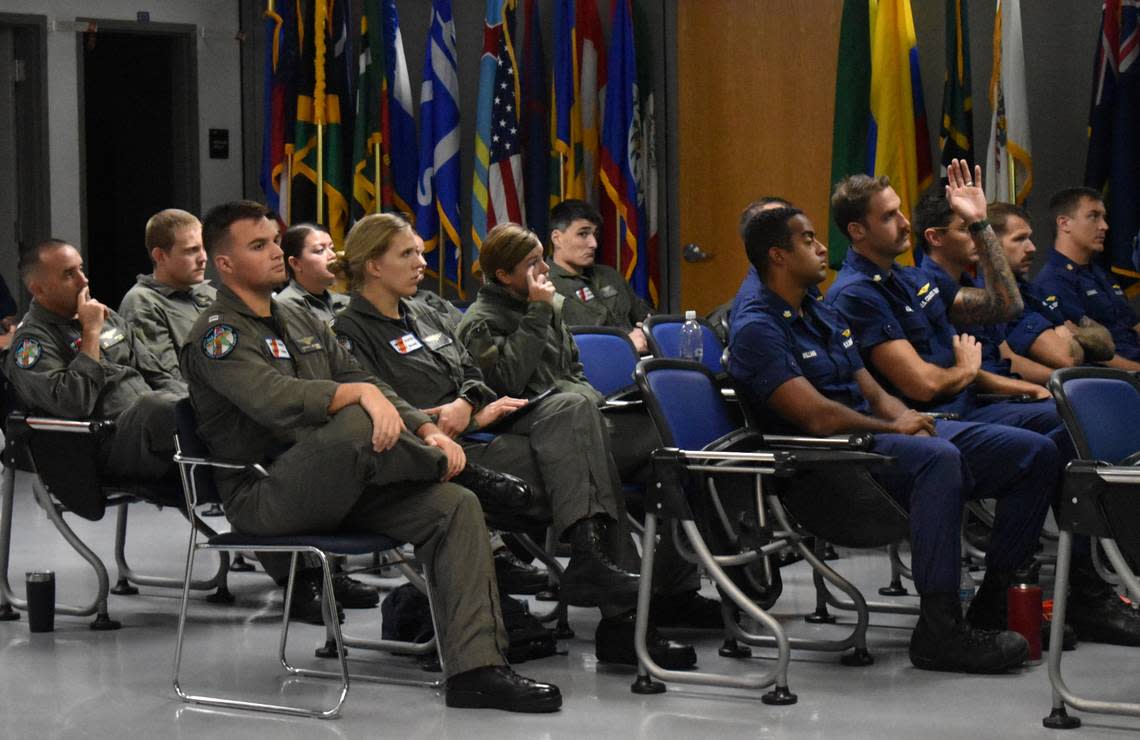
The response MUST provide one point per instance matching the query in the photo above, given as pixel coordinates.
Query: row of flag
(880, 117)
(334, 152)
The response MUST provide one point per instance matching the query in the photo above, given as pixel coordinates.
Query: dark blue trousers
(933, 477)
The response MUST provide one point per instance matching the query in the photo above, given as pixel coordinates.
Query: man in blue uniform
(904, 333)
(1041, 339)
(797, 364)
(1083, 288)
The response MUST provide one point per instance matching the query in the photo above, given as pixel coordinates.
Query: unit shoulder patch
(28, 352)
(219, 341)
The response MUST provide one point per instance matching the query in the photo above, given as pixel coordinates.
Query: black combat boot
(1096, 611)
(592, 578)
(943, 641)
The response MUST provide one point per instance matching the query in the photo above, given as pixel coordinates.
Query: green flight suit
(325, 306)
(161, 316)
(559, 447)
(598, 296)
(445, 308)
(261, 387)
(128, 385)
(524, 347)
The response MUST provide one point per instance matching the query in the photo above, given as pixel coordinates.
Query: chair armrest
(858, 441)
(56, 424)
(220, 464)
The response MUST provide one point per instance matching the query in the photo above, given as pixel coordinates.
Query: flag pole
(376, 177)
(320, 174)
(1012, 177)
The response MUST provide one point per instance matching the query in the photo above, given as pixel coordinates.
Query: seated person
(1082, 287)
(559, 447)
(1041, 339)
(162, 306)
(950, 253)
(444, 308)
(516, 333)
(73, 357)
(797, 365)
(905, 337)
(271, 386)
(309, 261)
(596, 295)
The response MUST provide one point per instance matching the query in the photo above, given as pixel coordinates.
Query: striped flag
(280, 105)
(590, 48)
(622, 149)
(898, 131)
(1114, 119)
(497, 186)
(566, 177)
(400, 153)
(368, 138)
(437, 194)
(1009, 163)
(535, 125)
(956, 139)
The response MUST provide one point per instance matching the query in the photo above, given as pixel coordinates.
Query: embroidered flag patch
(277, 348)
(219, 341)
(28, 353)
(584, 294)
(405, 344)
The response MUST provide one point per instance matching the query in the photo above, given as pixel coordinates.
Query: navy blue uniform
(1086, 290)
(772, 343)
(990, 335)
(1042, 312)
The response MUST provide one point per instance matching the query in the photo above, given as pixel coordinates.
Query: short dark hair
(768, 229)
(851, 197)
(293, 242)
(217, 221)
(755, 207)
(569, 211)
(1064, 202)
(932, 211)
(30, 259)
(998, 214)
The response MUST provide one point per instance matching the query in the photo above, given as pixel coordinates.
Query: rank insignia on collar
(28, 352)
(1068, 267)
(787, 314)
(877, 277)
(219, 341)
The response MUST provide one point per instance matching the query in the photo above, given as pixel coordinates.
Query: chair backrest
(1100, 408)
(684, 402)
(663, 334)
(608, 357)
(189, 444)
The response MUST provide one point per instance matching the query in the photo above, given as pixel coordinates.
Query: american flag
(498, 188)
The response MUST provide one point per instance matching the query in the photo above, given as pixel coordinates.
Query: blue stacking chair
(608, 358)
(663, 334)
(1100, 498)
(703, 441)
(196, 468)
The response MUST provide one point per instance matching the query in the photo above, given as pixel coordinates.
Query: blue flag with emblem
(1113, 163)
(437, 193)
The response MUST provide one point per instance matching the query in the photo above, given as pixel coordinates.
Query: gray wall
(1060, 38)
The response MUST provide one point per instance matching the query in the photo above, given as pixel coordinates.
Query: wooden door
(756, 83)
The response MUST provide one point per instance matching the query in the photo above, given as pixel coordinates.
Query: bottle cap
(690, 316)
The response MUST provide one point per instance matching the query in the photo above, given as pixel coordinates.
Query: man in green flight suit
(270, 385)
(596, 295)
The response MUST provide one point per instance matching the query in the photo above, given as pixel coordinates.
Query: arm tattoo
(1000, 300)
(1096, 340)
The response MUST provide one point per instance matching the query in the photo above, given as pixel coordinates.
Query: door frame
(187, 177)
(33, 180)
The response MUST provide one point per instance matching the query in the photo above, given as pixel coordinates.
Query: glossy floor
(76, 683)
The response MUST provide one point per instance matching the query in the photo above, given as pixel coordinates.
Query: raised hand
(965, 194)
(538, 288)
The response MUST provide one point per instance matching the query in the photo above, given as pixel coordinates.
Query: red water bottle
(1024, 602)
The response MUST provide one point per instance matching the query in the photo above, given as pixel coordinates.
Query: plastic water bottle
(966, 588)
(692, 338)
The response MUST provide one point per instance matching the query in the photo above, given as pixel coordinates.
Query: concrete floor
(76, 683)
